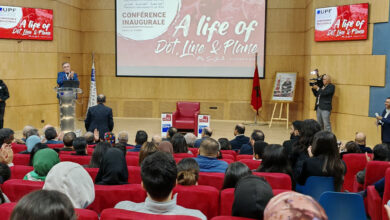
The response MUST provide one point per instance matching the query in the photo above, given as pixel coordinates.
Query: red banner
(347, 22)
(26, 23)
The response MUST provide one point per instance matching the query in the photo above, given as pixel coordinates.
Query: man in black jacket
(99, 117)
(4, 95)
(240, 138)
(323, 105)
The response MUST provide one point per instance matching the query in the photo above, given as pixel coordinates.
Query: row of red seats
(115, 214)
(108, 196)
(276, 180)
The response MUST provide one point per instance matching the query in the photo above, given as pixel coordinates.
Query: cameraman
(323, 105)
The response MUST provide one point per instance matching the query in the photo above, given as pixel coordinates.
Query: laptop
(71, 84)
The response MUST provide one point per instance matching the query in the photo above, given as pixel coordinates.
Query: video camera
(318, 80)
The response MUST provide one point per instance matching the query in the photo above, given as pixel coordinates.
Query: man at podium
(67, 74)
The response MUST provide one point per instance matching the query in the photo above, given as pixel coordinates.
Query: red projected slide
(190, 38)
(347, 22)
(26, 23)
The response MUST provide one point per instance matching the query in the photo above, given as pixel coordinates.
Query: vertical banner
(92, 88)
(166, 123)
(26, 23)
(203, 122)
(346, 22)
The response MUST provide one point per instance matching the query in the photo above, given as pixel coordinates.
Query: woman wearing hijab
(251, 196)
(30, 143)
(72, 180)
(165, 146)
(292, 205)
(43, 161)
(113, 168)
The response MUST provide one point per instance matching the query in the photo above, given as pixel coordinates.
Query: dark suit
(4, 95)
(246, 149)
(100, 117)
(385, 127)
(61, 77)
(325, 95)
(238, 141)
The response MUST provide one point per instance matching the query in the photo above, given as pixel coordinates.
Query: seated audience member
(190, 140)
(80, 146)
(275, 160)
(32, 132)
(360, 139)
(349, 148)
(159, 173)
(292, 205)
(206, 133)
(381, 153)
(295, 132)
(140, 138)
(43, 205)
(309, 128)
(179, 144)
(207, 158)
(147, 149)
(240, 138)
(256, 135)
(36, 148)
(43, 161)
(187, 172)
(89, 136)
(30, 143)
(122, 147)
(113, 169)
(72, 180)
(6, 136)
(165, 146)
(225, 144)
(110, 138)
(5, 174)
(98, 154)
(51, 135)
(156, 139)
(6, 154)
(171, 132)
(258, 150)
(123, 138)
(68, 141)
(324, 160)
(251, 196)
(26, 129)
(234, 173)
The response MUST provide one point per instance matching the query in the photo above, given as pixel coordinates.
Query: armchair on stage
(186, 116)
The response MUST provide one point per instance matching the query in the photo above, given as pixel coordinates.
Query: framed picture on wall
(284, 87)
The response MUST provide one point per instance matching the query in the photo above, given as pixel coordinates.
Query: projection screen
(190, 38)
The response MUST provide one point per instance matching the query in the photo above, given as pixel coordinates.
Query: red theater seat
(120, 214)
(53, 146)
(16, 148)
(252, 164)
(186, 116)
(136, 154)
(276, 180)
(19, 171)
(211, 179)
(90, 151)
(134, 174)
(232, 152)
(203, 198)
(194, 150)
(375, 170)
(92, 172)
(354, 163)
(230, 218)
(67, 152)
(21, 159)
(228, 156)
(82, 160)
(82, 214)
(109, 196)
(15, 189)
(375, 204)
(132, 160)
(227, 160)
(244, 156)
(227, 198)
(183, 155)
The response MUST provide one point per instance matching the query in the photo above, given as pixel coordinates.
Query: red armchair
(186, 116)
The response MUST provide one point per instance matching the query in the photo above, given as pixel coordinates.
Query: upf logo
(7, 9)
(324, 11)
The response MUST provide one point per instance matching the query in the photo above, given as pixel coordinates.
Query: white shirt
(387, 113)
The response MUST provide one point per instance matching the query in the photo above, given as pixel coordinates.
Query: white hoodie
(72, 180)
